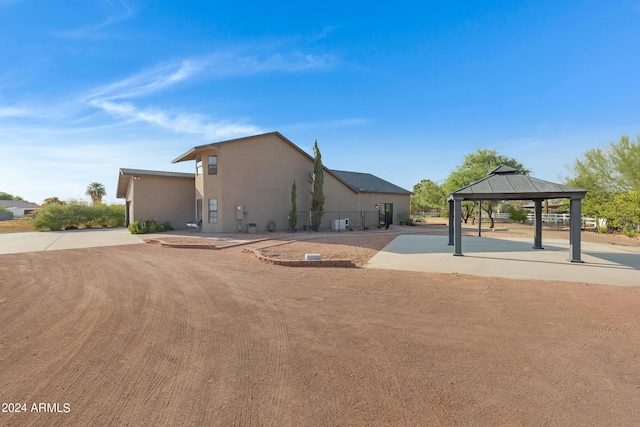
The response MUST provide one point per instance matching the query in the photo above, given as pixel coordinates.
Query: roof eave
(517, 196)
(186, 156)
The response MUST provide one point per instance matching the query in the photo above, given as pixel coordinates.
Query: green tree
(96, 191)
(607, 173)
(427, 195)
(3, 208)
(7, 196)
(293, 213)
(53, 200)
(316, 179)
(476, 166)
(625, 213)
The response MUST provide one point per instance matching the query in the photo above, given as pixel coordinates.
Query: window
(213, 165)
(199, 166)
(213, 211)
(198, 209)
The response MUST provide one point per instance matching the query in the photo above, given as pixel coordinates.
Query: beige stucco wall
(162, 198)
(257, 174)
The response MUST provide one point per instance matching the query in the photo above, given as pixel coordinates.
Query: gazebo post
(537, 225)
(451, 222)
(575, 223)
(479, 218)
(457, 220)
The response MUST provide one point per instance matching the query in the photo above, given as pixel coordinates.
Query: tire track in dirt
(184, 337)
(263, 394)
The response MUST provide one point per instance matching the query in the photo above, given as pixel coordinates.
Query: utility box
(340, 224)
(252, 228)
(239, 212)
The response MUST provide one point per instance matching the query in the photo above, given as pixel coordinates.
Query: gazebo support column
(479, 218)
(457, 221)
(575, 226)
(451, 222)
(537, 225)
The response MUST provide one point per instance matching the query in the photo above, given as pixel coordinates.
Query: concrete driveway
(35, 241)
(511, 258)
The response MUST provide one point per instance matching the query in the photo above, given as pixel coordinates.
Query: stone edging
(346, 263)
(180, 245)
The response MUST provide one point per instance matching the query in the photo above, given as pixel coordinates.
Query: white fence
(587, 222)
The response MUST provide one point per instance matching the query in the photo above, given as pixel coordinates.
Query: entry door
(386, 210)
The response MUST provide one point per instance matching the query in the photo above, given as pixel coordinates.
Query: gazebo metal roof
(505, 183)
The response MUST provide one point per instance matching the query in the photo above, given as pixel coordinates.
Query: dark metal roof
(125, 176)
(19, 204)
(505, 183)
(367, 183)
(125, 171)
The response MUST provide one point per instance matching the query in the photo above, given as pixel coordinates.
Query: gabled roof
(126, 174)
(19, 204)
(505, 183)
(191, 153)
(367, 183)
(356, 181)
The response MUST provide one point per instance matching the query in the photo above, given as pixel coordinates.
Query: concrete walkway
(35, 241)
(512, 258)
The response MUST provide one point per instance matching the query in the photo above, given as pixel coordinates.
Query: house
(159, 195)
(248, 181)
(19, 208)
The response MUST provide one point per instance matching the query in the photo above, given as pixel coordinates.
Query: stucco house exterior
(163, 196)
(247, 182)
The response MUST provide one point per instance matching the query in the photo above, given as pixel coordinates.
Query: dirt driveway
(148, 335)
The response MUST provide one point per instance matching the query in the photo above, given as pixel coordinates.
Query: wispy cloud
(146, 82)
(118, 98)
(85, 136)
(15, 112)
(183, 122)
(118, 10)
(220, 64)
(328, 29)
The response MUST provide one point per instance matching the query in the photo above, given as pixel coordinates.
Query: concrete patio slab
(35, 241)
(511, 258)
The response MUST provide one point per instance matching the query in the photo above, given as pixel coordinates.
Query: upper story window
(199, 166)
(213, 165)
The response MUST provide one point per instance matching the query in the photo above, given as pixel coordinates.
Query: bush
(150, 226)
(78, 214)
(517, 214)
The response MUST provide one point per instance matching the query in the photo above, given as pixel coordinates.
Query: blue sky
(401, 90)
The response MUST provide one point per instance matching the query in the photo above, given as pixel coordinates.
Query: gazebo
(505, 183)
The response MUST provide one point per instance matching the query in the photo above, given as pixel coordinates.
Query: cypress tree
(316, 179)
(293, 214)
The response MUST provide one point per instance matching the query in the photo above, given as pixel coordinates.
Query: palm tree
(96, 191)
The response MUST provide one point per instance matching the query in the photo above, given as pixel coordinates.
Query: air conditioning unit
(340, 224)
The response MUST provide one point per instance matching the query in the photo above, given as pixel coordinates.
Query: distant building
(19, 208)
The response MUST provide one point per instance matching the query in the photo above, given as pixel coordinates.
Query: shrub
(150, 226)
(76, 214)
(517, 214)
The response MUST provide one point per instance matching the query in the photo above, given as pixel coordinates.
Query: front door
(385, 213)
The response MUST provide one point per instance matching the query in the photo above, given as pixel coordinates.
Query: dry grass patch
(19, 224)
